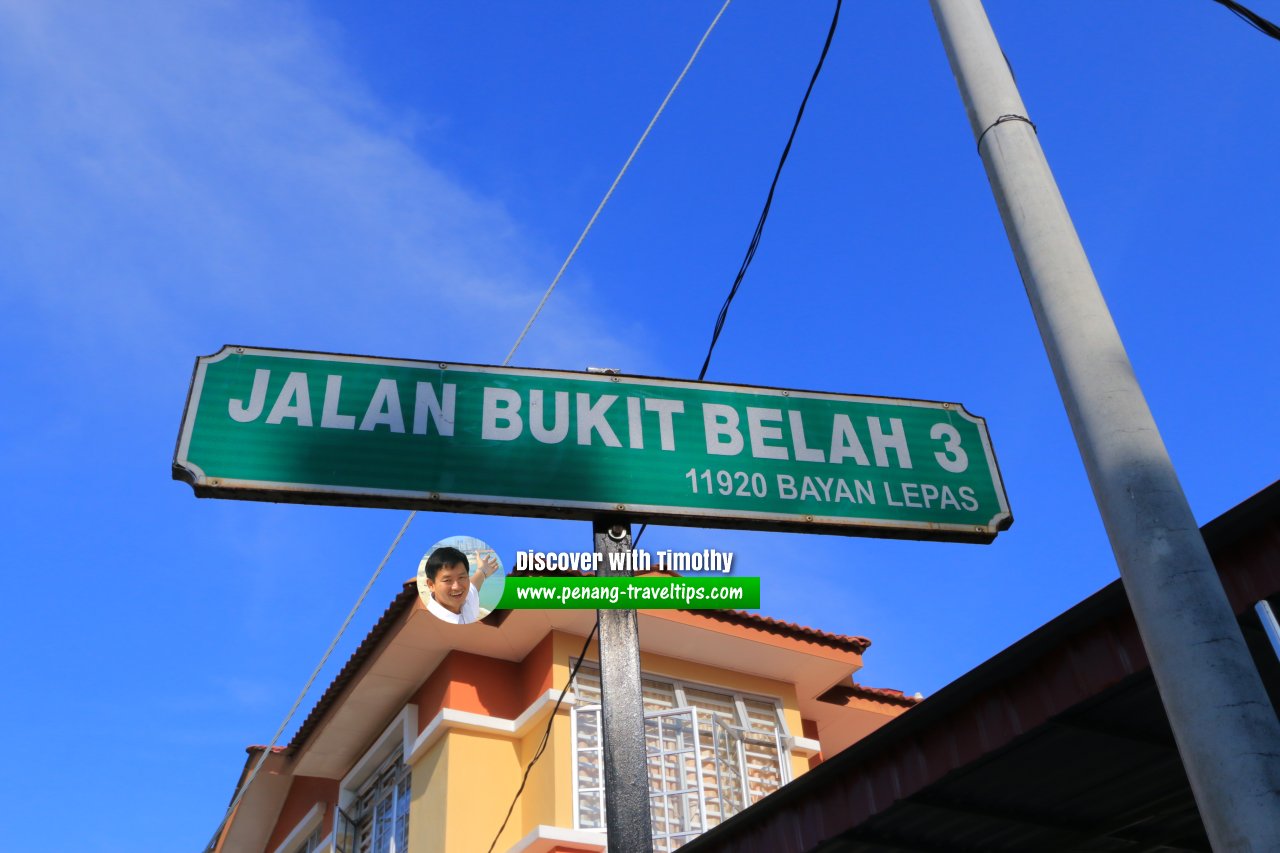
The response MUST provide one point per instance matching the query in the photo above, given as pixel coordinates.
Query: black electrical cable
(1257, 21)
(724, 311)
(764, 214)
(1254, 20)
(768, 202)
(546, 735)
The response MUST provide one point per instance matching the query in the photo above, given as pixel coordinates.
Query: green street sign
(308, 427)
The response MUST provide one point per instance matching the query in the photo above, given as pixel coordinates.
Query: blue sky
(403, 179)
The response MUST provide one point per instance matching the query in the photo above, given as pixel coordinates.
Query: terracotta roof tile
(404, 601)
(842, 693)
(400, 605)
(778, 626)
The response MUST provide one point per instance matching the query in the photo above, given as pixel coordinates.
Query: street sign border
(309, 493)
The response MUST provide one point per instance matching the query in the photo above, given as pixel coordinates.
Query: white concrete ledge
(545, 838)
(449, 719)
(804, 746)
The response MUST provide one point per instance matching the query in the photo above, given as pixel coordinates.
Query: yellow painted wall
(427, 800)
(463, 785)
(461, 790)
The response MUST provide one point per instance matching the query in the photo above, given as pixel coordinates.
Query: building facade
(464, 738)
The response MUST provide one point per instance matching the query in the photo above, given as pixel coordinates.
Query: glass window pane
(590, 810)
(652, 734)
(658, 695)
(588, 725)
(658, 816)
(403, 796)
(380, 814)
(704, 764)
(383, 822)
(586, 685)
(589, 769)
(761, 716)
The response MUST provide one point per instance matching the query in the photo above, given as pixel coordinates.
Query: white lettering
(665, 408)
(952, 457)
(807, 490)
(895, 440)
(384, 408)
(537, 420)
(760, 433)
(787, 487)
(721, 422)
(844, 442)
(329, 418)
(294, 401)
(257, 398)
(825, 485)
(500, 404)
(426, 403)
(591, 417)
(635, 429)
(803, 452)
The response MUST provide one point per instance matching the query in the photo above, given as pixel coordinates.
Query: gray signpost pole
(626, 772)
(1226, 730)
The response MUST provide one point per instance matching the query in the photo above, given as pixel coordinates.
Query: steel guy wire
(520, 339)
(617, 180)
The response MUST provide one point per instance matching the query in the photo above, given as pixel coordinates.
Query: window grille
(710, 754)
(378, 821)
(312, 842)
(676, 796)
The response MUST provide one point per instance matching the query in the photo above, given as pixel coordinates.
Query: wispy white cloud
(185, 174)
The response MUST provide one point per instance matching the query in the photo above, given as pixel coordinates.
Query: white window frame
(397, 737)
(685, 833)
(782, 736)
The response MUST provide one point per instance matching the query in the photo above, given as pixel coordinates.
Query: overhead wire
(618, 179)
(768, 202)
(764, 214)
(413, 514)
(266, 751)
(698, 49)
(546, 734)
(1252, 18)
(1244, 13)
(1257, 21)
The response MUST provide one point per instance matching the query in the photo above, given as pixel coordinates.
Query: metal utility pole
(1226, 730)
(626, 767)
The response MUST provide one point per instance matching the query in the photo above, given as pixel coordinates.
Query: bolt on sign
(307, 427)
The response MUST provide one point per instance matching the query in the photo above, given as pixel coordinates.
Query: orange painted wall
(810, 730)
(304, 793)
(483, 685)
(536, 671)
